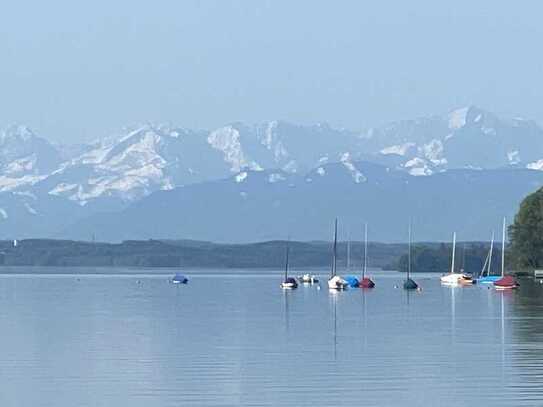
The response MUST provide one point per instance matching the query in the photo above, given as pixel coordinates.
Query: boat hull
(456, 279)
(488, 279)
(337, 283)
(366, 283)
(506, 283)
(410, 285)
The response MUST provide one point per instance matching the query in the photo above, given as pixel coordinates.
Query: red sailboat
(365, 282)
(506, 282)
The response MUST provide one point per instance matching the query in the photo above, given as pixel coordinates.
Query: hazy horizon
(76, 72)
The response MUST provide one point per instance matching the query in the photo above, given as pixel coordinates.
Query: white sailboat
(335, 282)
(454, 278)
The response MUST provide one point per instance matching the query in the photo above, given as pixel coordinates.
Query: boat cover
(352, 281)
(506, 281)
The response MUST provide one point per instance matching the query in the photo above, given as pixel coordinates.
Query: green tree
(526, 233)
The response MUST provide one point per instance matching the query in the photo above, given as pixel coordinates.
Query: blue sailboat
(352, 281)
(486, 277)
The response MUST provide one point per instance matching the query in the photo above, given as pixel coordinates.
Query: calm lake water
(239, 340)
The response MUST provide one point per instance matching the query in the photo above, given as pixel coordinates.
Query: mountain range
(463, 169)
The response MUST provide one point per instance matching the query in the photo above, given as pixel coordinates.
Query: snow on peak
(227, 140)
(457, 118)
(418, 167)
(536, 165)
(433, 151)
(513, 157)
(399, 149)
(358, 177)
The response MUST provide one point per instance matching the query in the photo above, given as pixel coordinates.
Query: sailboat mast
(453, 252)
(409, 253)
(503, 248)
(364, 269)
(286, 261)
(334, 254)
(349, 253)
(491, 253)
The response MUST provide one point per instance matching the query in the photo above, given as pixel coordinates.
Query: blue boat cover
(180, 277)
(352, 281)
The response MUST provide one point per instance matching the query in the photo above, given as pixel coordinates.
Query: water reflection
(239, 340)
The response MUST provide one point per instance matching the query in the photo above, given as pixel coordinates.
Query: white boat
(308, 278)
(289, 283)
(335, 282)
(454, 278)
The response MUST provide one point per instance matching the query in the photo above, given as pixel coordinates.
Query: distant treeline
(427, 257)
(470, 258)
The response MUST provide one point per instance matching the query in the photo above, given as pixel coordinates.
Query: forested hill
(200, 254)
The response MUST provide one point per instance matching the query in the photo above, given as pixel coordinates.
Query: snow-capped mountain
(464, 138)
(25, 158)
(150, 158)
(110, 174)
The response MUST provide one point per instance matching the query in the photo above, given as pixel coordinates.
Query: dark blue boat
(180, 279)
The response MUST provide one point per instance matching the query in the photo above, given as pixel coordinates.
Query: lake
(236, 339)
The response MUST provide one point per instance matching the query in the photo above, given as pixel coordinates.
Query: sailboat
(453, 278)
(288, 283)
(352, 281)
(506, 282)
(366, 282)
(409, 284)
(487, 278)
(335, 282)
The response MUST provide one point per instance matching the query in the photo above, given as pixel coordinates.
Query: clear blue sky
(79, 70)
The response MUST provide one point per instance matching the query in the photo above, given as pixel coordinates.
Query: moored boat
(179, 279)
(335, 282)
(409, 284)
(365, 282)
(308, 278)
(289, 283)
(506, 282)
(454, 278)
(486, 277)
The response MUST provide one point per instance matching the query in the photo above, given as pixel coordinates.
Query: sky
(76, 71)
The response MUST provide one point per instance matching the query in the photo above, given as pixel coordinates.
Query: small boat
(179, 279)
(454, 278)
(506, 282)
(409, 284)
(335, 282)
(308, 278)
(352, 281)
(289, 283)
(365, 282)
(488, 278)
